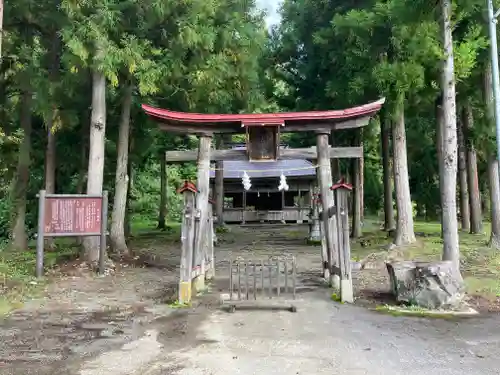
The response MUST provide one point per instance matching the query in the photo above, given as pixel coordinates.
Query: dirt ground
(91, 325)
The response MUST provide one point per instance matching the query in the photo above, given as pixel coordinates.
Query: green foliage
(414, 311)
(8, 145)
(221, 230)
(145, 194)
(334, 297)
(189, 55)
(337, 55)
(179, 305)
(5, 210)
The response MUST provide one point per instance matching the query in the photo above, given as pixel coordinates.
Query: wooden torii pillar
(219, 186)
(203, 185)
(219, 192)
(325, 181)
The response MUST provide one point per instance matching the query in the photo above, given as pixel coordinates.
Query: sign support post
(40, 237)
(104, 224)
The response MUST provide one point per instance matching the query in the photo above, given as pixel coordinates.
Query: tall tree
(52, 119)
(493, 177)
(88, 40)
(472, 172)
(462, 178)
(117, 231)
(95, 174)
(1, 27)
(20, 187)
(91, 38)
(494, 183)
(448, 130)
(404, 224)
(385, 124)
(24, 74)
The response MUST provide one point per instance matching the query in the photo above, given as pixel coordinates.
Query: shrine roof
(235, 121)
(290, 168)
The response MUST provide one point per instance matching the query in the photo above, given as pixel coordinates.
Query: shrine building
(264, 201)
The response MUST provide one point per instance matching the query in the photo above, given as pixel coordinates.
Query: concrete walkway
(324, 337)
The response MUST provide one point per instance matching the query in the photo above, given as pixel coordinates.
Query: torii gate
(263, 140)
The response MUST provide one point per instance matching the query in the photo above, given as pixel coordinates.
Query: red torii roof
(280, 118)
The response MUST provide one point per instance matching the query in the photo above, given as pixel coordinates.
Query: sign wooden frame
(71, 215)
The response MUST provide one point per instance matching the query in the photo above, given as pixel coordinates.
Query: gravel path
(80, 317)
(327, 338)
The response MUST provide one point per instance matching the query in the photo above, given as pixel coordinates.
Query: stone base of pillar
(314, 231)
(326, 274)
(199, 284)
(185, 292)
(346, 292)
(335, 282)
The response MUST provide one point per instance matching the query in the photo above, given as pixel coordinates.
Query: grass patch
(179, 305)
(17, 269)
(295, 234)
(17, 280)
(480, 264)
(156, 245)
(335, 297)
(17, 274)
(221, 229)
(313, 242)
(148, 227)
(415, 311)
(145, 234)
(374, 241)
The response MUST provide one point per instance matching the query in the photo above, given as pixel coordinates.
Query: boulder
(431, 285)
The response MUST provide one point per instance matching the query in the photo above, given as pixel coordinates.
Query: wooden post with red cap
(341, 190)
(187, 238)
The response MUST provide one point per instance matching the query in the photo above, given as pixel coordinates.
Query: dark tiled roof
(290, 168)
